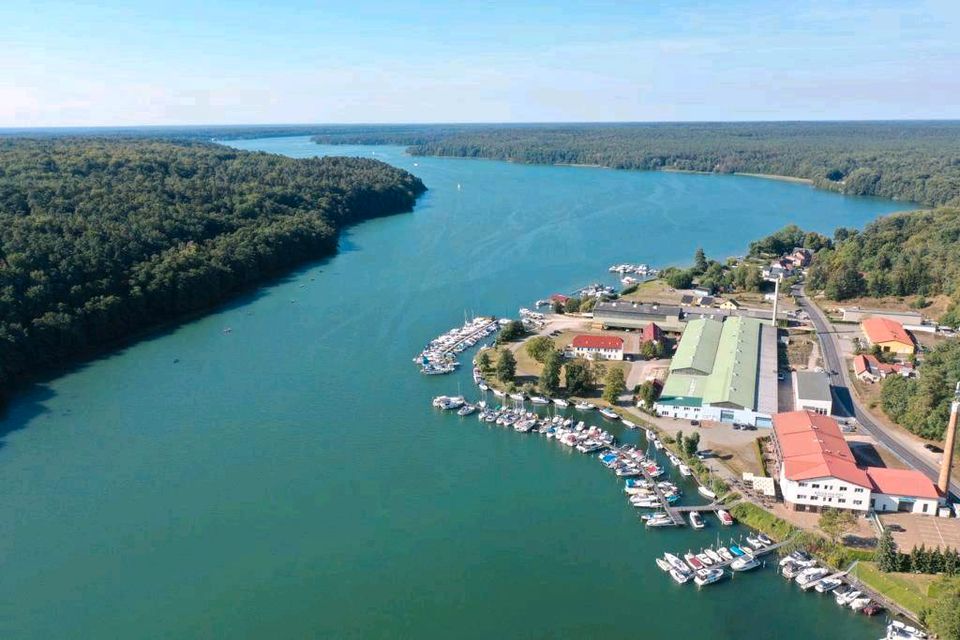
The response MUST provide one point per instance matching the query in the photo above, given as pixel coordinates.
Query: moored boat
(725, 518)
(709, 576)
(560, 402)
(744, 563)
(609, 414)
(696, 521)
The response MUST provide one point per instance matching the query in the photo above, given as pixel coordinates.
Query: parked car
(695, 423)
(933, 448)
(781, 375)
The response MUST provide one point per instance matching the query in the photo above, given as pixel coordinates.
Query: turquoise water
(289, 479)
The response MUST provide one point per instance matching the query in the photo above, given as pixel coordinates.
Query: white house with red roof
(816, 469)
(597, 347)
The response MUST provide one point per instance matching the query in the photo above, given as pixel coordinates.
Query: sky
(108, 63)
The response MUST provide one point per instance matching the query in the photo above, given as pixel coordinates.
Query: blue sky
(235, 61)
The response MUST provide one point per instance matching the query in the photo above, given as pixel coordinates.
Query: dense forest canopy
(912, 161)
(101, 237)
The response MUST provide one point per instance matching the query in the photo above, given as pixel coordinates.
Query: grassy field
(911, 591)
(756, 518)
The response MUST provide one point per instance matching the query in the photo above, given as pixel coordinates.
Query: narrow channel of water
(289, 479)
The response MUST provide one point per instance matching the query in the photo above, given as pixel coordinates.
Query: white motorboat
(663, 564)
(744, 563)
(519, 397)
(706, 493)
(584, 406)
(843, 599)
(709, 576)
(810, 575)
(725, 518)
(680, 578)
(483, 386)
(539, 400)
(676, 563)
(685, 470)
(499, 394)
(628, 424)
(716, 557)
(705, 559)
(466, 410)
(696, 521)
(827, 585)
(725, 553)
(859, 603)
(560, 402)
(609, 414)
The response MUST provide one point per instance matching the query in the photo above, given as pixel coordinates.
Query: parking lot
(917, 529)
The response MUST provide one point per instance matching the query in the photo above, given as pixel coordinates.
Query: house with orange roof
(888, 334)
(817, 470)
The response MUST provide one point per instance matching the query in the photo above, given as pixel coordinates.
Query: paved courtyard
(917, 530)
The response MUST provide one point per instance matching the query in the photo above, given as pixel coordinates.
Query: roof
(698, 346)
(682, 390)
(812, 385)
(686, 299)
(860, 364)
(879, 330)
(812, 447)
(733, 381)
(651, 333)
(597, 342)
(559, 297)
(902, 482)
(636, 308)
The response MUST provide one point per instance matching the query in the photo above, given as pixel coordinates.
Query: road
(839, 379)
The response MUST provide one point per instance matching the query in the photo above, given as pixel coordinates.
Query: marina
(440, 355)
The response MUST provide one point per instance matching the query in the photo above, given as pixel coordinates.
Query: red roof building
(812, 446)
(651, 333)
(901, 482)
(598, 347)
(888, 334)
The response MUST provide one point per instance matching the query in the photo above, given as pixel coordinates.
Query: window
(816, 486)
(925, 505)
(842, 500)
(858, 502)
(803, 484)
(801, 496)
(842, 488)
(814, 498)
(858, 490)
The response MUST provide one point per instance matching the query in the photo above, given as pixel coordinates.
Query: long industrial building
(725, 371)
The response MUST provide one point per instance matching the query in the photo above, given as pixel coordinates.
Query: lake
(289, 479)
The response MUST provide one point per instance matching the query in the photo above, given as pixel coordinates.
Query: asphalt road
(839, 379)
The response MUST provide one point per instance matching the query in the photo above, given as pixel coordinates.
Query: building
(723, 371)
(730, 304)
(701, 292)
(856, 314)
(619, 314)
(781, 268)
(811, 392)
(705, 301)
(598, 347)
(816, 469)
(651, 333)
(687, 299)
(867, 368)
(799, 257)
(888, 334)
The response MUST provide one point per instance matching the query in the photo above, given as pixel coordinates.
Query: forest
(917, 162)
(103, 237)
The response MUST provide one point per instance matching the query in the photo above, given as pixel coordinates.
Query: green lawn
(911, 591)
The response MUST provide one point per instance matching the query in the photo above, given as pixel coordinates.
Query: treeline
(102, 237)
(911, 161)
(922, 404)
(914, 253)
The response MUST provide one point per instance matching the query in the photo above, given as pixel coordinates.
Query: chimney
(943, 484)
(776, 300)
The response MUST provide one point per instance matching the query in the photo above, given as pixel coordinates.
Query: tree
(513, 330)
(943, 617)
(506, 366)
(483, 360)
(550, 376)
(887, 556)
(571, 305)
(679, 279)
(836, 522)
(580, 380)
(845, 283)
(699, 261)
(614, 384)
(539, 348)
(691, 443)
(647, 393)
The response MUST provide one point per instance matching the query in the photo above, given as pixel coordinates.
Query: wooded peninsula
(103, 237)
(912, 161)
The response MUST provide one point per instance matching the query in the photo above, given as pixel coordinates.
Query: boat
(663, 564)
(736, 550)
(499, 394)
(725, 553)
(705, 559)
(539, 400)
(609, 414)
(744, 563)
(659, 520)
(709, 576)
(466, 410)
(898, 630)
(693, 561)
(762, 537)
(483, 386)
(809, 576)
(755, 542)
(716, 557)
(560, 402)
(679, 577)
(827, 584)
(706, 493)
(519, 397)
(790, 570)
(628, 424)
(584, 406)
(696, 521)
(847, 597)
(859, 603)
(676, 563)
(725, 518)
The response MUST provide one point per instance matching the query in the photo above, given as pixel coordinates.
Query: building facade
(811, 391)
(597, 347)
(887, 334)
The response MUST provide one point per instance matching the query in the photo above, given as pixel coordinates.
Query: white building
(811, 392)
(817, 470)
(598, 347)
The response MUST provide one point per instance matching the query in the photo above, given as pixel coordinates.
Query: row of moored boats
(708, 566)
(440, 356)
(800, 567)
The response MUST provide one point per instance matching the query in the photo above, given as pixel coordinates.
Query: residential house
(598, 347)
(888, 334)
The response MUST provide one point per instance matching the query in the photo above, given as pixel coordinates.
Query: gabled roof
(651, 333)
(902, 482)
(879, 330)
(698, 346)
(813, 447)
(597, 342)
(733, 381)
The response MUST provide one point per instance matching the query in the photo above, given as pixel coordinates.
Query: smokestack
(776, 300)
(943, 484)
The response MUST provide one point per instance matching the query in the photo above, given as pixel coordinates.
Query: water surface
(289, 479)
